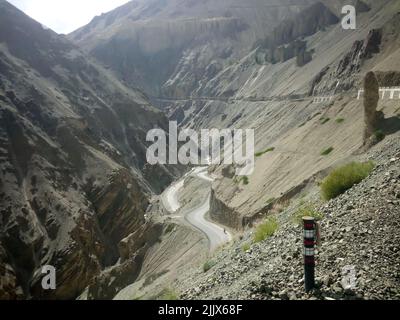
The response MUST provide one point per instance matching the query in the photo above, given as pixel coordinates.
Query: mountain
(167, 48)
(74, 180)
(287, 69)
(76, 191)
(209, 73)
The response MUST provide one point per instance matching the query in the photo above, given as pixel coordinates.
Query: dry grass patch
(343, 178)
(265, 230)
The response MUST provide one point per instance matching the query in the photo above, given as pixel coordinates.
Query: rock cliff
(72, 153)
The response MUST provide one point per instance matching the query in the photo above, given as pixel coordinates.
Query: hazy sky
(64, 16)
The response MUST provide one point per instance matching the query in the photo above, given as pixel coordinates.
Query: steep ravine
(72, 162)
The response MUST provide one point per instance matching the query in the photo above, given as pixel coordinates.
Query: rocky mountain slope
(358, 229)
(168, 47)
(281, 101)
(74, 180)
(75, 187)
(268, 82)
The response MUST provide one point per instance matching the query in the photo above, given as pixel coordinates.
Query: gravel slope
(360, 228)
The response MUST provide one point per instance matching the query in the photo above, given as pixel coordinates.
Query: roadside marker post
(309, 252)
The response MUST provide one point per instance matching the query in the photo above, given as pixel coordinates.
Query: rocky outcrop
(132, 251)
(115, 204)
(148, 58)
(361, 6)
(221, 213)
(342, 77)
(286, 41)
(361, 50)
(171, 52)
(306, 23)
(388, 78)
(372, 44)
(9, 288)
(371, 98)
(297, 48)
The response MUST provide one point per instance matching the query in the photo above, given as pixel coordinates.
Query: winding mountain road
(216, 235)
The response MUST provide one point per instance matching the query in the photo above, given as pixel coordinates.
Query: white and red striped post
(309, 252)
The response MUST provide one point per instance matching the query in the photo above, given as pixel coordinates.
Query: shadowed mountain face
(170, 47)
(73, 173)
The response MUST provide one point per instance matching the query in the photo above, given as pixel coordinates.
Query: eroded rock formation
(286, 40)
(72, 156)
(371, 98)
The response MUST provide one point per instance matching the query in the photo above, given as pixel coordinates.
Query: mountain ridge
(73, 180)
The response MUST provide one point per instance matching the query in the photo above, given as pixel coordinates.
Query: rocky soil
(360, 228)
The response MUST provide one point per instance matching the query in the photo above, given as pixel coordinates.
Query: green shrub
(303, 124)
(306, 210)
(265, 230)
(170, 228)
(270, 200)
(326, 151)
(379, 135)
(168, 294)
(325, 120)
(343, 178)
(208, 265)
(259, 154)
(244, 179)
(339, 120)
(246, 247)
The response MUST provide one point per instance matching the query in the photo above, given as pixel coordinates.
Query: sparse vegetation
(245, 180)
(168, 295)
(208, 265)
(379, 135)
(325, 120)
(343, 178)
(265, 230)
(170, 228)
(259, 154)
(270, 200)
(339, 120)
(326, 151)
(303, 124)
(279, 205)
(246, 247)
(306, 210)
